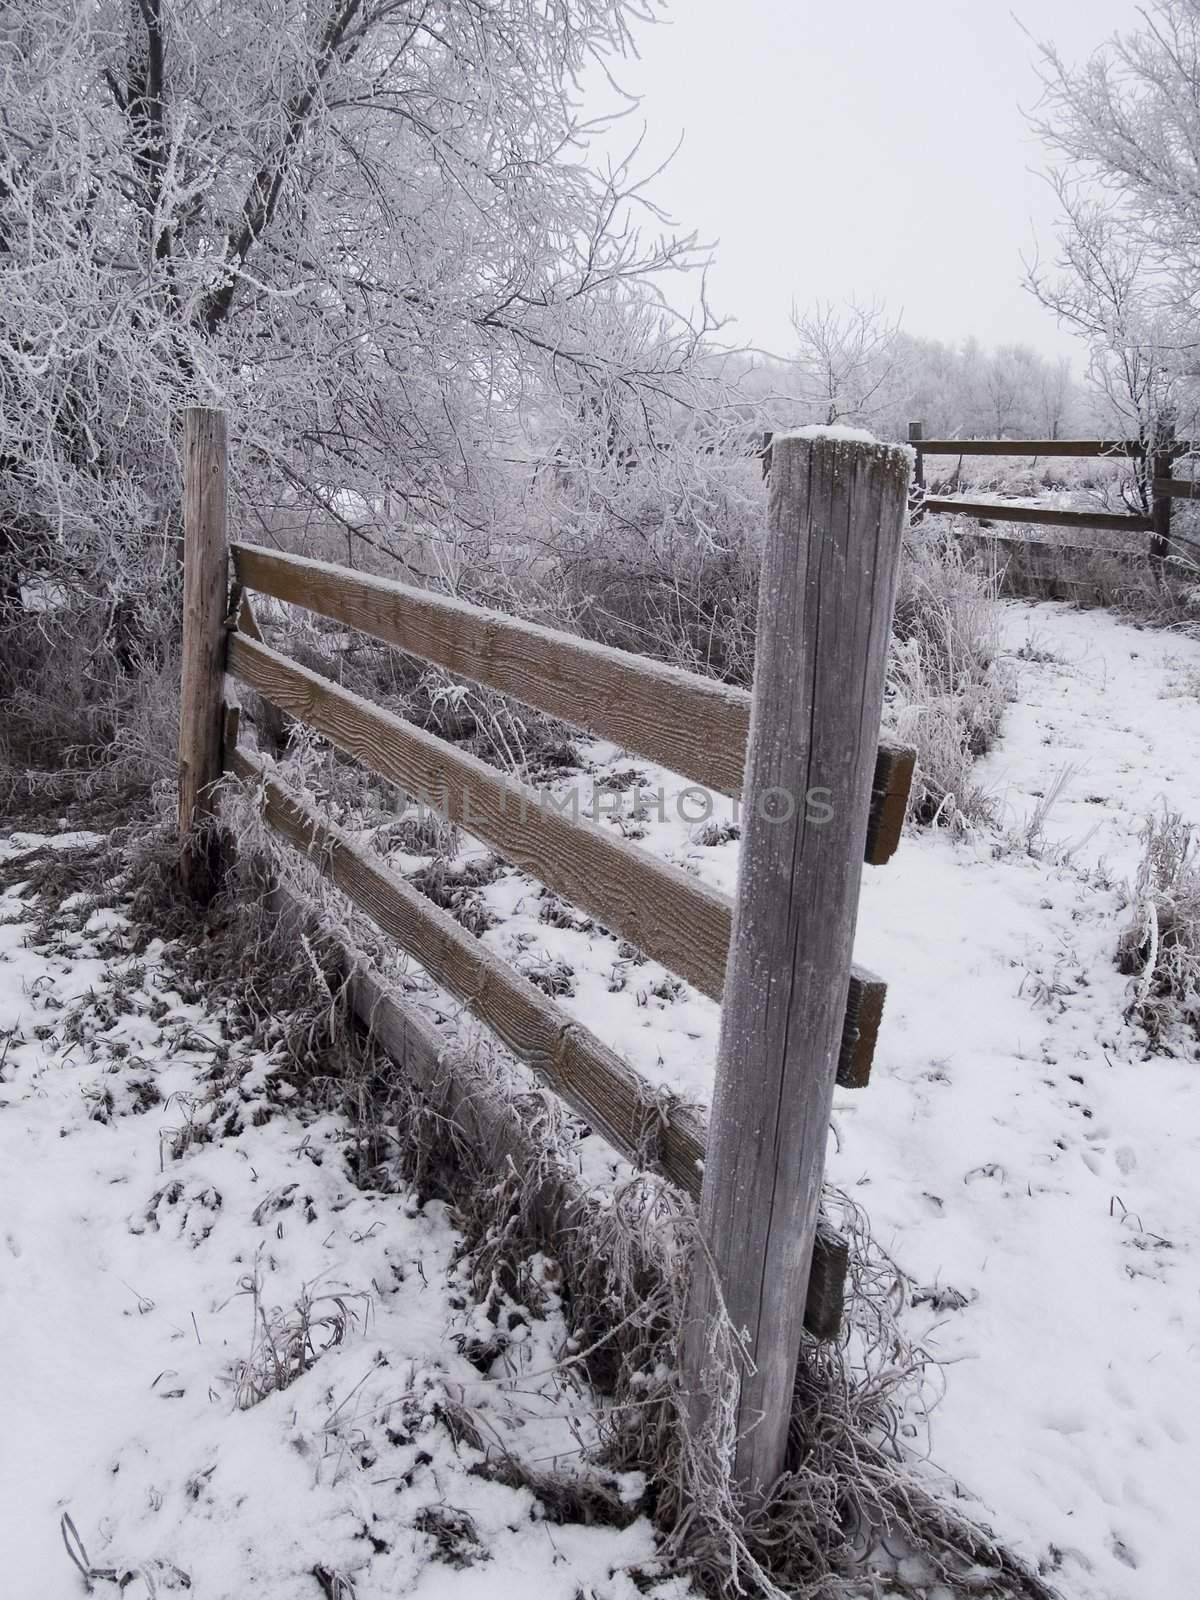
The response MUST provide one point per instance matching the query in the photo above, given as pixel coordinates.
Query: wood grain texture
(890, 788)
(205, 592)
(860, 1031)
(691, 724)
(825, 1301)
(987, 512)
(837, 514)
(665, 912)
(648, 1128)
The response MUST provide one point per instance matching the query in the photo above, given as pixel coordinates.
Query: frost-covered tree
(843, 360)
(366, 227)
(1125, 129)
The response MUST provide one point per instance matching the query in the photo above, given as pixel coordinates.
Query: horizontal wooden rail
(690, 724)
(693, 725)
(1031, 447)
(648, 1128)
(502, 1130)
(1177, 488)
(989, 512)
(664, 911)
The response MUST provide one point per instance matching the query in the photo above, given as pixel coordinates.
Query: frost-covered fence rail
(811, 728)
(1163, 488)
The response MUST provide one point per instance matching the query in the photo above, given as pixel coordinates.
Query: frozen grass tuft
(947, 687)
(1160, 949)
(286, 1343)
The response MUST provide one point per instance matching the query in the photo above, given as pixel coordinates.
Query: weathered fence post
(916, 492)
(836, 519)
(205, 593)
(1161, 466)
(916, 432)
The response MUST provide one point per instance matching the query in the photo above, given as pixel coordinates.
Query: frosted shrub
(947, 688)
(1160, 948)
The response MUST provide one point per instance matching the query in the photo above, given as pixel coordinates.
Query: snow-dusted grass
(947, 686)
(225, 1359)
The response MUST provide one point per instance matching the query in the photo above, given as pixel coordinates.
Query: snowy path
(1113, 714)
(1019, 1147)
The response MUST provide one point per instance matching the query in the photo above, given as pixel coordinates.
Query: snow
(1112, 710)
(16, 844)
(831, 430)
(154, 1191)
(1027, 1161)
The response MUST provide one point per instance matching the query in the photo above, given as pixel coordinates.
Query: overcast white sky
(867, 148)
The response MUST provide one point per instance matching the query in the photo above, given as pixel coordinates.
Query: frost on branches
(369, 230)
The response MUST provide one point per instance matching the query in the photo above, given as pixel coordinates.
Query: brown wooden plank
(664, 911)
(825, 1302)
(1032, 447)
(916, 433)
(894, 768)
(1160, 505)
(1178, 488)
(860, 1032)
(270, 721)
(838, 512)
(691, 724)
(205, 592)
(648, 1128)
(987, 511)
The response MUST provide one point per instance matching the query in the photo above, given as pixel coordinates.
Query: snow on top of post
(837, 433)
(820, 430)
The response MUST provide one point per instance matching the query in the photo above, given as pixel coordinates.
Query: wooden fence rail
(797, 1015)
(692, 725)
(1163, 488)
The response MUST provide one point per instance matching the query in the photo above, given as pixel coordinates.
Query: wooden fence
(797, 1015)
(1164, 488)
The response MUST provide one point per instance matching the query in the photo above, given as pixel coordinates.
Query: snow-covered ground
(164, 1219)
(1026, 1160)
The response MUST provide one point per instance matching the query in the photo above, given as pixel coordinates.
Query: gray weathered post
(916, 432)
(1161, 467)
(205, 594)
(836, 519)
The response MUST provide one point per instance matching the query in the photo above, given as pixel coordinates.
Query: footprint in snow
(194, 1212)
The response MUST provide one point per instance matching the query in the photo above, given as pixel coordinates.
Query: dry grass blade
(285, 1344)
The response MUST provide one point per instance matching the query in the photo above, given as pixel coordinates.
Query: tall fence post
(1160, 505)
(827, 586)
(205, 594)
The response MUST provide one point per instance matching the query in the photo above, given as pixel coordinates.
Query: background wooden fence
(1164, 488)
(797, 1015)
